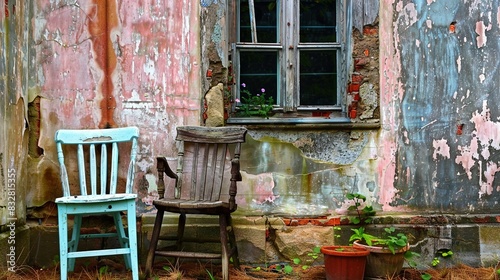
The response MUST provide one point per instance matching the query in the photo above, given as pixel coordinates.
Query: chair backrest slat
(210, 172)
(81, 170)
(202, 188)
(104, 167)
(131, 167)
(195, 190)
(114, 165)
(93, 170)
(87, 140)
(218, 174)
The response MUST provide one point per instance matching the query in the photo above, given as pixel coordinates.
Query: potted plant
(388, 251)
(348, 262)
(344, 262)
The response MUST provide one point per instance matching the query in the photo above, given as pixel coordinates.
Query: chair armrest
(163, 167)
(235, 170)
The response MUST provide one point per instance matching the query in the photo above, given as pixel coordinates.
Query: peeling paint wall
(442, 90)
(427, 69)
(15, 56)
(115, 63)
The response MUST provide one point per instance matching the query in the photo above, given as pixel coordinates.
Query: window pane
(317, 21)
(259, 70)
(318, 77)
(265, 19)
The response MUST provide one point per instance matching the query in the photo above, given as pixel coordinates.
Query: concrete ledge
(473, 238)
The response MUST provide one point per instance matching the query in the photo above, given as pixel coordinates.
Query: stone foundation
(265, 240)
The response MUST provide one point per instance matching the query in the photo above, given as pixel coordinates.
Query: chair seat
(96, 198)
(193, 206)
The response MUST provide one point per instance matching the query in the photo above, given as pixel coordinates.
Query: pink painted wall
(154, 74)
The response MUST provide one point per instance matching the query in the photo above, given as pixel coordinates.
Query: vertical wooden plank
(194, 172)
(289, 57)
(93, 170)
(131, 167)
(253, 25)
(64, 173)
(114, 168)
(220, 171)
(81, 170)
(104, 168)
(210, 185)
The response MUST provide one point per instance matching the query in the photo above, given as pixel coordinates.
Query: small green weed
(426, 276)
(210, 275)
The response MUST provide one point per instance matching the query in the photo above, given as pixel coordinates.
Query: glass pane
(317, 21)
(318, 77)
(265, 19)
(259, 70)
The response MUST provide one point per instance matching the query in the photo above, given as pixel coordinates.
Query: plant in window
(254, 105)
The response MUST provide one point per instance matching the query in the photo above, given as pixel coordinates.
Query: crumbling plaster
(441, 96)
(155, 82)
(437, 147)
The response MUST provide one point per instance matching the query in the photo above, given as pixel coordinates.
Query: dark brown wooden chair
(208, 167)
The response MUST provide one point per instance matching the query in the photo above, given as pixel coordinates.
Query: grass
(196, 270)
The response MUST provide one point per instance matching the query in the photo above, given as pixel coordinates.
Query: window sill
(310, 122)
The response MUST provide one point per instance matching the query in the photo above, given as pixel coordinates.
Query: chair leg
(132, 239)
(62, 218)
(154, 242)
(225, 251)
(122, 238)
(232, 242)
(181, 226)
(75, 239)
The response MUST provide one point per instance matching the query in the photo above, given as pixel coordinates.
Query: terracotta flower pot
(382, 262)
(344, 262)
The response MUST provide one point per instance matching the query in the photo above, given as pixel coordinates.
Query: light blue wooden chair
(92, 147)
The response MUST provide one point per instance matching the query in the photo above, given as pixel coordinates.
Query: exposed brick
(332, 222)
(482, 220)
(321, 221)
(321, 113)
(356, 78)
(361, 62)
(370, 30)
(353, 87)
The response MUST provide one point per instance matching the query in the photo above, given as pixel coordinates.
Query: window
(296, 51)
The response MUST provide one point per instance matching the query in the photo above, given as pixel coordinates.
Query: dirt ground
(108, 270)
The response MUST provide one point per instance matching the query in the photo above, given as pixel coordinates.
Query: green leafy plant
(210, 275)
(426, 276)
(288, 269)
(361, 235)
(363, 214)
(390, 240)
(103, 270)
(409, 257)
(313, 255)
(254, 104)
(444, 253)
